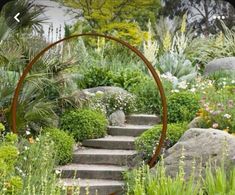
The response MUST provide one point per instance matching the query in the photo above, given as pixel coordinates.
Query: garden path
(101, 162)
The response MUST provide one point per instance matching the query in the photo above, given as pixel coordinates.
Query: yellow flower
(226, 130)
(184, 24)
(167, 41)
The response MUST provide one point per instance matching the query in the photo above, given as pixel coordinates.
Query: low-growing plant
(63, 144)
(217, 109)
(108, 103)
(84, 124)
(146, 143)
(143, 181)
(119, 101)
(182, 106)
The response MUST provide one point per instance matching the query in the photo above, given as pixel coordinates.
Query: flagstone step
(111, 142)
(143, 119)
(87, 171)
(103, 156)
(95, 186)
(128, 130)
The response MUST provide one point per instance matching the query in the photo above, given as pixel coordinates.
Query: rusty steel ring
(132, 48)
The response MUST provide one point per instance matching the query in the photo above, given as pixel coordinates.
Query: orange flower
(200, 112)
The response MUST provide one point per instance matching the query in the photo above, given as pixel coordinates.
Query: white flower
(182, 85)
(215, 125)
(26, 148)
(228, 116)
(175, 91)
(57, 172)
(168, 76)
(28, 133)
(193, 90)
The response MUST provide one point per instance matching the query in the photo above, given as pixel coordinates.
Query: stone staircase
(102, 161)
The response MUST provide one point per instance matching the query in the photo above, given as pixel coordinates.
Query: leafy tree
(200, 13)
(124, 18)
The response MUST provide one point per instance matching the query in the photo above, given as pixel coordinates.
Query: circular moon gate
(133, 49)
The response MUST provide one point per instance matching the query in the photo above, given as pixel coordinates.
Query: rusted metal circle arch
(133, 49)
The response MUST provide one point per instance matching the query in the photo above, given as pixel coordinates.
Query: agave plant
(177, 65)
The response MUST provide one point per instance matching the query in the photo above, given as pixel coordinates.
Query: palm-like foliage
(30, 18)
(47, 89)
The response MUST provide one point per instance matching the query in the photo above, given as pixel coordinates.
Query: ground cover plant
(146, 143)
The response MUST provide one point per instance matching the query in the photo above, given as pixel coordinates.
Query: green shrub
(63, 144)
(9, 155)
(146, 143)
(182, 106)
(147, 96)
(84, 124)
(95, 76)
(127, 78)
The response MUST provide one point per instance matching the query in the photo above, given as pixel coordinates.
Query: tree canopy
(125, 18)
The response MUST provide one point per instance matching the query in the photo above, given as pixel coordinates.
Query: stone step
(87, 171)
(142, 119)
(95, 187)
(103, 156)
(128, 130)
(111, 142)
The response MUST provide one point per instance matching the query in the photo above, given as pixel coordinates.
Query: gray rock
(227, 63)
(194, 123)
(200, 145)
(117, 118)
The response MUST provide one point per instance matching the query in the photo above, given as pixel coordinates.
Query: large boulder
(195, 123)
(200, 145)
(227, 63)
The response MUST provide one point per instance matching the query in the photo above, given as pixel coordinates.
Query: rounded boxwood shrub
(146, 143)
(84, 124)
(63, 143)
(182, 106)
